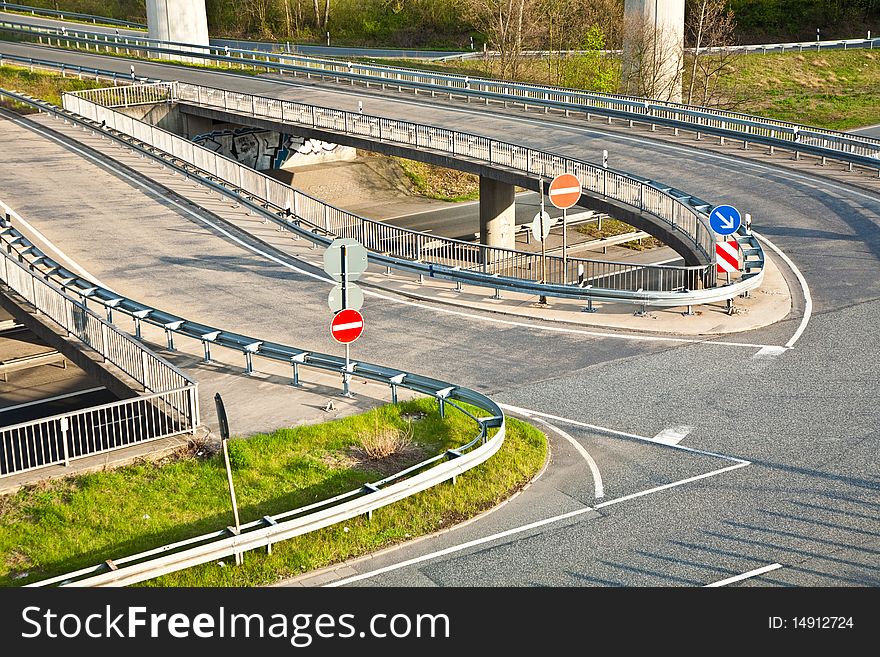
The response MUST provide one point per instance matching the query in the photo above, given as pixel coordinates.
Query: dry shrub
(385, 442)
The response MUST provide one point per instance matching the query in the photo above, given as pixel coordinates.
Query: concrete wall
(653, 48)
(178, 20)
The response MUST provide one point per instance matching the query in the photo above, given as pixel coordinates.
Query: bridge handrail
(275, 211)
(857, 149)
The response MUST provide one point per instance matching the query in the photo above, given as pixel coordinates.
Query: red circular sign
(347, 326)
(565, 191)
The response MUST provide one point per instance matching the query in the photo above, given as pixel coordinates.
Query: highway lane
(806, 418)
(778, 199)
(869, 131)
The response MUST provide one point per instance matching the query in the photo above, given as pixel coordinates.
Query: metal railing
(284, 217)
(60, 14)
(679, 213)
(443, 467)
(171, 409)
(854, 149)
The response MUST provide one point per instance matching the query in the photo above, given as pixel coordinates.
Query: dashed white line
(672, 435)
(622, 434)
(739, 578)
(524, 528)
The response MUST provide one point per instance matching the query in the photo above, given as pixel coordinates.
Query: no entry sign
(727, 256)
(565, 191)
(347, 326)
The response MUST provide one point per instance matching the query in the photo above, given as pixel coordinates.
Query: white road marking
(808, 299)
(56, 253)
(524, 528)
(672, 435)
(623, 434)
(769, 352)
(674, 484)
(598, 486)
(739, 578)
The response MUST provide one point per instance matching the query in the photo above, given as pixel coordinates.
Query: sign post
(543, 299)
(346, 327)
(565, 192)
(223, 423)
(345, 260)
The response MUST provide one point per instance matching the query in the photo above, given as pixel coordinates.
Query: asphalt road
(790, 476)
(271, 46)
(868, 131)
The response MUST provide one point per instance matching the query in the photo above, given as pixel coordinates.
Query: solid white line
(739, 578)
(51, 399)
(439, 309)
(808, 299)
(674, 484)
(52, 250)
(598, 486)
(623, 434)
(523, 528)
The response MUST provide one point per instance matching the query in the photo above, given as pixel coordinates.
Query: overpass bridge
(782, 503)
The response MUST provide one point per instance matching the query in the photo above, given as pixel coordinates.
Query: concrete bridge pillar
(184, 21)
(653, 48)
(497, 213)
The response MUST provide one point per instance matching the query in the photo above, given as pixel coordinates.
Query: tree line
(452, 23)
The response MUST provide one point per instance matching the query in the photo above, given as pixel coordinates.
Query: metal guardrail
(682, 213)
(846, 147)
(60, 14)
(746, 49)
(271, 529)
(171, 409)
(298, 225)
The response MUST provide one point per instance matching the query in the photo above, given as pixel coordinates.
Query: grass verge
(836, 89)
(612, 227)
(59, 526)
(440, 183)
(46, 86)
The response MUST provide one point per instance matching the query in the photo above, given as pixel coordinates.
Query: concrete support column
(497, 213)
(184, 21)
(653, 48)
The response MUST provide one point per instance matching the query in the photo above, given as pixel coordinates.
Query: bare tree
(711, 28)
(507, 25)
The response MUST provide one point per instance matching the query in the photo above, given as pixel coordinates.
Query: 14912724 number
(810, 623)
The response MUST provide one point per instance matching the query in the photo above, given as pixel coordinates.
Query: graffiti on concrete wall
(263, 149)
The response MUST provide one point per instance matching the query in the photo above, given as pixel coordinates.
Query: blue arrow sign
(725, 219)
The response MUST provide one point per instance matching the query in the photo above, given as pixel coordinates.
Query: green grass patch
(440, 183)
(59, 526)
(46, 86)
(836, 89)
(612, 227)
